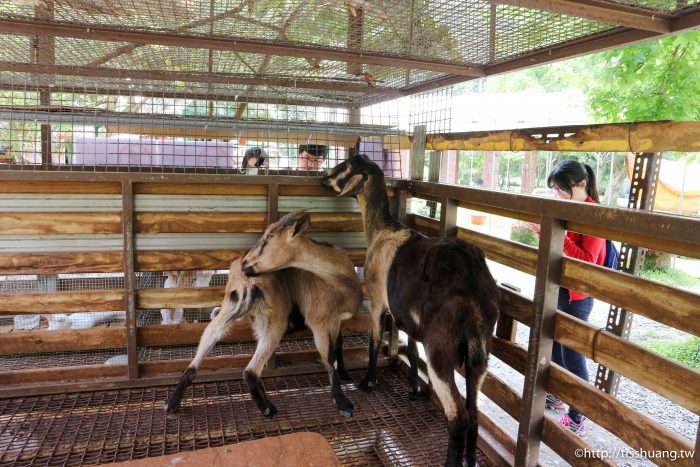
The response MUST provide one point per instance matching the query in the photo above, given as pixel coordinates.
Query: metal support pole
(645, 177)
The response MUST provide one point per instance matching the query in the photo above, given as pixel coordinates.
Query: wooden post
(398, 207)
(448, 218)
(356, 21)
(272, 203)
(696, 461)
(418, 154)
(434, 176)
(541, 338)
(129, 278)
(507, 327)
(45, 54)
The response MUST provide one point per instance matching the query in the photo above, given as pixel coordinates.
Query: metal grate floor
(387, 428)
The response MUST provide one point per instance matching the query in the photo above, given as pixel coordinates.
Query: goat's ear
(301, 225)
(353, 186)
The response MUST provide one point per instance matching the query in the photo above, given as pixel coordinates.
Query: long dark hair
(571, 172)
(256, 153)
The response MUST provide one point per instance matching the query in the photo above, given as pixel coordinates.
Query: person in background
(574, 181)
(255, 158)
(311, 156)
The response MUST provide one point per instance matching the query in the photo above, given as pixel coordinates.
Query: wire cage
(95, 124)
(113, 115)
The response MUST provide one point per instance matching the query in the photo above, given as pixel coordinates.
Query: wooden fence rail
(276, 195)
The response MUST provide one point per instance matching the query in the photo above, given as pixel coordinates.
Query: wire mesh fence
(111, 426)
(446, 31)
(66, 123)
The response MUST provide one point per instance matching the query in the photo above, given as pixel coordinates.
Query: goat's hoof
(345, 408)
(170, 406)
(270, 412)
(366, 385)
(416, 395)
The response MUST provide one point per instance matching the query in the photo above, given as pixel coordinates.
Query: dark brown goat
(439, 291)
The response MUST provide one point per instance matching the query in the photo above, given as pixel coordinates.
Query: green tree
(654, 80)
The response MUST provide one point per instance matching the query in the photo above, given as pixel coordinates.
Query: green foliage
(522, 232)
(672, 277)
(686, 352)
(654, 80)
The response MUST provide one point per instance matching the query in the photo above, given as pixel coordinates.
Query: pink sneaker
(577, 428)
(553, 403)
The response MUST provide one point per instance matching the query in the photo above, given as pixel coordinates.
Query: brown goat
(439, 291)
(273, 301)
(325, 288)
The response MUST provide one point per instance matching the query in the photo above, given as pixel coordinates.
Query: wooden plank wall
(668, 305)
(76, 227)
(190, 223)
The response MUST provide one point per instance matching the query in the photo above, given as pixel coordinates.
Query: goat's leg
(412, 352)
(337, 344)
(441, 373)
(214, 331)
(322, 338)
(270, 333)
(375, 336)
(473, 381)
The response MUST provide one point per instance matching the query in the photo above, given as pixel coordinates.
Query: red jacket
(586, 248)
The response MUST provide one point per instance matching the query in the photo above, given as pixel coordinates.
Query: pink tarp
(132, 150)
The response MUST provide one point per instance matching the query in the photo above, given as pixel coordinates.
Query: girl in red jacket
(575, 181)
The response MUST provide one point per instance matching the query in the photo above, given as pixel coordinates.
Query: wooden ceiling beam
(685, 21)
(604, 41)
(112, 90)
(598, 10)
(104, 33)
(204, 77)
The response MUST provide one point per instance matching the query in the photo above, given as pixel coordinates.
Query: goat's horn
(291, 217)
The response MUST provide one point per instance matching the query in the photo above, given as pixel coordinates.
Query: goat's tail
(243, 303)
(478, 336)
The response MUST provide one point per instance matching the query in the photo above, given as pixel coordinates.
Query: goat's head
(240, 293)
(350, 177)
(278, 245)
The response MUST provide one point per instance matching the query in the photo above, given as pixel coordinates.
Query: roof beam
(685, 21)
(204, 77)
(598, 10)
(104, 33)
(112, 90)
(267, 59)
(604, 41)
(232, 13)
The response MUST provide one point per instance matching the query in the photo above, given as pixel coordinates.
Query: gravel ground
(675, 418)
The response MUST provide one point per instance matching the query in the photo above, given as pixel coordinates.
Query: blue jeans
(564, 356)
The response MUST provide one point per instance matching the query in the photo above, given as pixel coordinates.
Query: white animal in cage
(178, 279)
(26, 322)
(81, 320)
